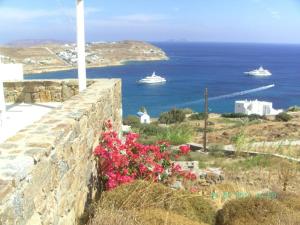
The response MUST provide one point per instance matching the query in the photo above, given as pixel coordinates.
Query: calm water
(194, 66)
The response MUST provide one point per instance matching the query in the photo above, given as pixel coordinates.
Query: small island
(49, 57)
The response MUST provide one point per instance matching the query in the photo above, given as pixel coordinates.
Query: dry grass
(286, 150)
(224, 192)
(256, 211)
(145, 195)
(142, 217)
(163, 217)
(114, 217)
(151, 203)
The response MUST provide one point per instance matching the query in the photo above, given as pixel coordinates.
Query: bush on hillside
(173, 116)
(283, 117)
(187, 111)
(242, 115)
(150, 129)
(176, 135)
(234, 115)
(132, 120)
(141, 195)
(253, 211)
(198, 116)
(256, 117)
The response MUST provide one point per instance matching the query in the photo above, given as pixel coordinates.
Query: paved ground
(19, 116)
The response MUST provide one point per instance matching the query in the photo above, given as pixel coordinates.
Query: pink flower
(122, 162)
(184, 149)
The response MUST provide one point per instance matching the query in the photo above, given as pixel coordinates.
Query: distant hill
(39, 56)
(34, 42)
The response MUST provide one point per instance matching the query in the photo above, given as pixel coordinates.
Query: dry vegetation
(223, 129)
(144, 203)
(151, 203)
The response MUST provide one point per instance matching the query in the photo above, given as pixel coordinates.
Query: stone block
(56, 96)
(45, 96)
(27, 98)
(67, 92)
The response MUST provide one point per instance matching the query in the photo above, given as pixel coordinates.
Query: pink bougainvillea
(122, 161)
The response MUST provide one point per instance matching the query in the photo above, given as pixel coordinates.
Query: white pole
(81, 45)
(2, 97)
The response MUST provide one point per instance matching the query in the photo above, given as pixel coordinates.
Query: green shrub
(150, 129)
(234, 115)
(256, 117)
(148, 140)
(186, 111)
(176, 135)
(283, 117)
(198, 116)
(251, 211)
(173, 116)
(242, 115)
(142, 195)
(131, 120)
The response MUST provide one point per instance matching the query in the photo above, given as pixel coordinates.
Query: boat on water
(259, 72)
(153, 79)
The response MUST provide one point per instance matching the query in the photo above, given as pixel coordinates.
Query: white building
(144, 117)
(255, 107)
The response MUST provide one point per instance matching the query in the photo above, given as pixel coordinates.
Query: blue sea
(194, 66)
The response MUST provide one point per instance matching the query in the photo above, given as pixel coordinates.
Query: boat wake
(230, 95)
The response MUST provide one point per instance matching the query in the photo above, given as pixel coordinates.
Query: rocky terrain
(48, 57)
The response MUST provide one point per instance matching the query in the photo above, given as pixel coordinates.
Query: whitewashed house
(144, 117)
(255, 107)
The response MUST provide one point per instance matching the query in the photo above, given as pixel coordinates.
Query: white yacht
(259, 72)
(153, 79)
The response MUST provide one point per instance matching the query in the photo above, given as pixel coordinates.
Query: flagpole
(2, 96)
(81, 45)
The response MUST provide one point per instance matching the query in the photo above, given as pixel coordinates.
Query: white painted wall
(255, 107)
(145, 118)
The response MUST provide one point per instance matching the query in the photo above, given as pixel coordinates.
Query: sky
(266, 21)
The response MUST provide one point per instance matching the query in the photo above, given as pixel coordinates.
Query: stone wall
(35, 91)
(46, 169)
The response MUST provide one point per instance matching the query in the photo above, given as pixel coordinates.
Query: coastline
(67, 68)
